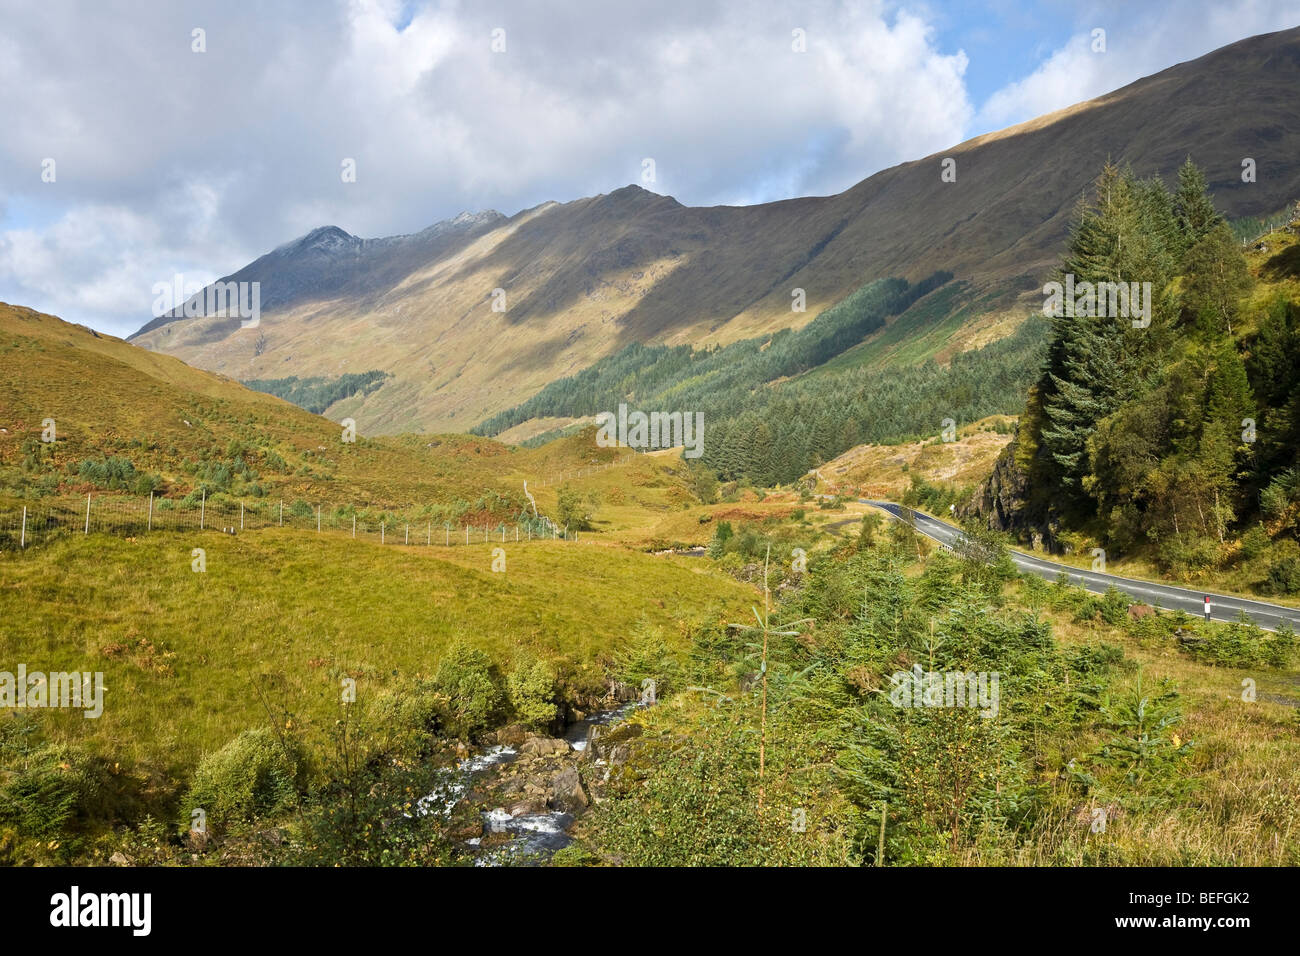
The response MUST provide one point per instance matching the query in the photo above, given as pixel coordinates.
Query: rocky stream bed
(515, 799)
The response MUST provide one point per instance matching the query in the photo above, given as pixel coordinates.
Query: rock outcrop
(1004, 503)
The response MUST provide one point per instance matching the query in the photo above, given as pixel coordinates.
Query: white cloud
(170, 160)
(1139, 41)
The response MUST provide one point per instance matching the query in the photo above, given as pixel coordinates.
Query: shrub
(1244, 644)
(531, 689)
(932, 497)
(1182, 557)
(1283, 576)
(574, 510)
(703, 483)
(1144, 746)
(254, 775)
(48, 794)
(364, 818)
(647, 655)
(111, 472)
(867, 530)
(721, 535)
(404, 719)
(1114, 607)
(468, 681)
(1254, 543)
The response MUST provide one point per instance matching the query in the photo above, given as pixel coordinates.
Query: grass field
(184, 653)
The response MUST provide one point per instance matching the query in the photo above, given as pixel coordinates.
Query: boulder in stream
(512, 736)
(544, 746)
(566, 793)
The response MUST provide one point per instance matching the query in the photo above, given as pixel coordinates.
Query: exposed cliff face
(1003, 504)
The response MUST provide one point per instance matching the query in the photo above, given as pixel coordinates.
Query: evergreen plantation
(317, 393)
(767, 422)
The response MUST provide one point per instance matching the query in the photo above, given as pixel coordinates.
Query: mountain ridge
(582, 279)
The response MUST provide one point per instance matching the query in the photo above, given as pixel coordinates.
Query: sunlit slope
(108, 398)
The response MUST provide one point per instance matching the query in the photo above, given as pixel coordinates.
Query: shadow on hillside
(1286, 264)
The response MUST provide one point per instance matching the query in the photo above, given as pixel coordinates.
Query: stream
(534, 835)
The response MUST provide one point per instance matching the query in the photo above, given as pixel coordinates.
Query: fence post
(428, 534)
(203, 508)
(503, 532)
(516, 532)
(354, 526)
(23, 542)
(408, 534)
(467, 534)
(151, 511)
(241, 516)
(447, 534)
(381, 532)
(87, 514)
(281, 512)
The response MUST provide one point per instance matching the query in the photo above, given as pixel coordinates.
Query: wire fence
(30, 525)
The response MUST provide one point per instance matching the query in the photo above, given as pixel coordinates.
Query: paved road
(1222, 607)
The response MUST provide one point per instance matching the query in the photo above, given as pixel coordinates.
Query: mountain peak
(632, 194)
(321, 239)
(633, 191)
(468, 218)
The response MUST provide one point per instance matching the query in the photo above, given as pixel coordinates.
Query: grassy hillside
(887, 471)
(131, 421)
(774, 408)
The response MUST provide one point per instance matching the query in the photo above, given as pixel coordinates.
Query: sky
(133, 148)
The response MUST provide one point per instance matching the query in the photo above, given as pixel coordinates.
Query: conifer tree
(1193, 205)
(1090, 370)
(1216, 278)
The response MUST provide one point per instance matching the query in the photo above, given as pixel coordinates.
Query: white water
(535, 835)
